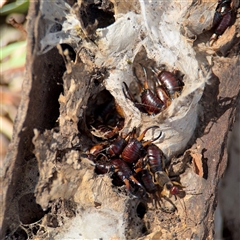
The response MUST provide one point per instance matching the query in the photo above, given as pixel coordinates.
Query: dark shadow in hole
(226, 232)
(20, 234)
(71, 52)
(96, 15)
(29, 210)
(71, 2)
(102, 111)
(141, 210)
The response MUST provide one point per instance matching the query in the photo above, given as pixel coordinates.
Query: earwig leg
(140, 165)
(213, 39)
(178, 184)
(137, 182)
(126, 181)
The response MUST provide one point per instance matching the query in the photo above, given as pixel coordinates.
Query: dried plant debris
(129, 108)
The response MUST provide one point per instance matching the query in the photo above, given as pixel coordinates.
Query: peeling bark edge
(40, 75)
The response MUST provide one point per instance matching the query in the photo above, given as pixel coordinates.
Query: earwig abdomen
(147, 181)
(102, 167)
(163, 96)
(224, 23)
(216, 19)
(170, 82)
(132, 152)
(151, 102)
(156, 158)
(116, 147)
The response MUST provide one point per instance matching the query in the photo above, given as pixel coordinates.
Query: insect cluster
(139, 164)
(223, 18)
(128, 159)
(167, 86)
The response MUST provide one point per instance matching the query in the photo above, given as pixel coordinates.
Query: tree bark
(50, 190)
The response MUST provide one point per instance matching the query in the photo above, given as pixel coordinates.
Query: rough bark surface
(50, 191)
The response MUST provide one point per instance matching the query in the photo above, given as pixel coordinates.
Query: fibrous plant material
(80, 54)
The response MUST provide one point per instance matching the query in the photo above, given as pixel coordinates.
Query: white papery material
(119, 43)
(157, 29)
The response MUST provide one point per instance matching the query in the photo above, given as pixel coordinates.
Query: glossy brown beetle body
(150, 103)
(163, 96)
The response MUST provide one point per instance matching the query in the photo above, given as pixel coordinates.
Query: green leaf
(20, 6)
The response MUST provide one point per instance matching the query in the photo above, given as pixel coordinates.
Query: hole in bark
(20, 234)
(102, 112)
(97, 14)
(35, 229)
(52, 221)
(29, 210)
(141, 210)
(70, 51)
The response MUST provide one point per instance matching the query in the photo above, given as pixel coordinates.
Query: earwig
(125, 173)
(223, 18)
(162, 93)
(155, 158)
(170, 82)
(146, 179)
(222, 8)
(151, 103)
(156, 161)
(221, 28)
(117, 146)
(133, 151)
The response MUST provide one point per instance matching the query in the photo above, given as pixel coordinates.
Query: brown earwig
(170, 82)
(162, 94)
(129, 96)
(223, 18)
(147, 180)
(125, 173)
(221, 28)
(117, 146)
(133, 151)
(156, 162)
(151, 103)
